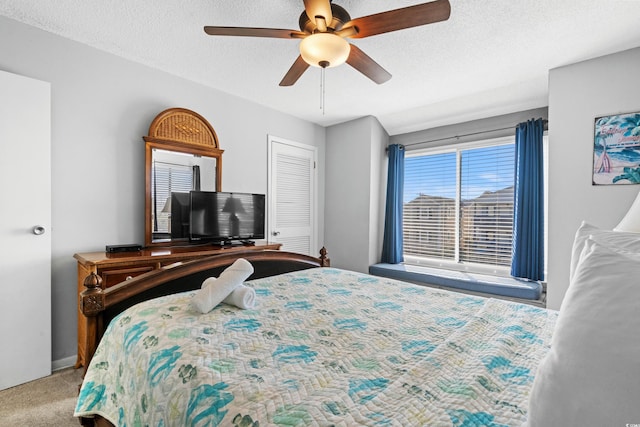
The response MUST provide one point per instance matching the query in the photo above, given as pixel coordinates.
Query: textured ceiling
(491, 57)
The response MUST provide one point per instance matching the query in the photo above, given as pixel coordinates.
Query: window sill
(483, 284)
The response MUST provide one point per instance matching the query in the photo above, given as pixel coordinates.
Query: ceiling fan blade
(254, 32)
(318, 8)
(294, 73)
(367, 66)
(399, 19)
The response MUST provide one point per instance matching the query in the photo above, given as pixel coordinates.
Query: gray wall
(355, 184)
(578, 94)
(378, 190)
(102, 105)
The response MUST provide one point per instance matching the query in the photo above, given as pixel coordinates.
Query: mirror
(181, 155)
(173, 175)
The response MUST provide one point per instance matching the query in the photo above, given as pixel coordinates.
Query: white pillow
(614, 239)
(591, 375)
(631, 221)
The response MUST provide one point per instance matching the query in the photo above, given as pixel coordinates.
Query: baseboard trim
(67, 362)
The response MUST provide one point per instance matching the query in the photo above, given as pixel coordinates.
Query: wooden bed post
(324, 261)
(92, 305)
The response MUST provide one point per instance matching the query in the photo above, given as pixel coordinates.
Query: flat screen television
(224, 217)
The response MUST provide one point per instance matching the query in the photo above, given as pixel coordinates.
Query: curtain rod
(469, 134)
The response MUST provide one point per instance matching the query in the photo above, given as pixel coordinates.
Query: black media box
(112, 249)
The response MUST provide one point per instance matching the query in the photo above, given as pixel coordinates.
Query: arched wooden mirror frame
(183, 131)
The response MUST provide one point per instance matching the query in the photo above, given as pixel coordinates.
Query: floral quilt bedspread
(322, 347)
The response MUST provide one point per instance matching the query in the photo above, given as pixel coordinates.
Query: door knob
(38, 230)
(276, 233)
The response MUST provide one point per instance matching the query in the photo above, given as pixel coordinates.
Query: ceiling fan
(324, 26)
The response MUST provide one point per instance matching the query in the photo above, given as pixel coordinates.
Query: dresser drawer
(115, 276)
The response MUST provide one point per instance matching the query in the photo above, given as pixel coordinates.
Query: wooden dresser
(114, 268)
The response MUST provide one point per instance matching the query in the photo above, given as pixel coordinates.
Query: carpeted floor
(45, 402)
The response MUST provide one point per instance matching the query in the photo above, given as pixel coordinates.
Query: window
(458, 205)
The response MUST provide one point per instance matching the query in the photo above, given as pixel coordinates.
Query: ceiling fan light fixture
(324, 50)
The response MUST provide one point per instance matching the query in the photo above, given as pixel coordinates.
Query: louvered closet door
(292, 193)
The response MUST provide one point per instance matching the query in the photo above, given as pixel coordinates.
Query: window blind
(429, 216)
(169, 178)
(486, 205)
(458, 205)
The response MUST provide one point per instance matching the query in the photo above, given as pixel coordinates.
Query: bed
(322, 347)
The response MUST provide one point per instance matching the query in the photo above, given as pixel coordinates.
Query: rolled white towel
(243, 296)
(208, 297)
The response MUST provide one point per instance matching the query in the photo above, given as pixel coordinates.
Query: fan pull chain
(322, 87)
(323, 65)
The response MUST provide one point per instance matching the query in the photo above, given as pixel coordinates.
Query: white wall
(354, 188)
(102, 106)
(579, 93)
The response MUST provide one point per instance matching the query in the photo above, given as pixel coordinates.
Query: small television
(223, 217)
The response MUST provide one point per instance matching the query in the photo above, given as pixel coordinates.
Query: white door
(292, 196)
(25, 229)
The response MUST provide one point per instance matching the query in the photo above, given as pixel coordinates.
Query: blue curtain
(392, 240)
(528, 211)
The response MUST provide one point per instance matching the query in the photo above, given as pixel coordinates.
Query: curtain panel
(528, 211)
(392, 247)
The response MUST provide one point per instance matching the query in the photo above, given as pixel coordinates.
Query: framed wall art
(616, 149)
